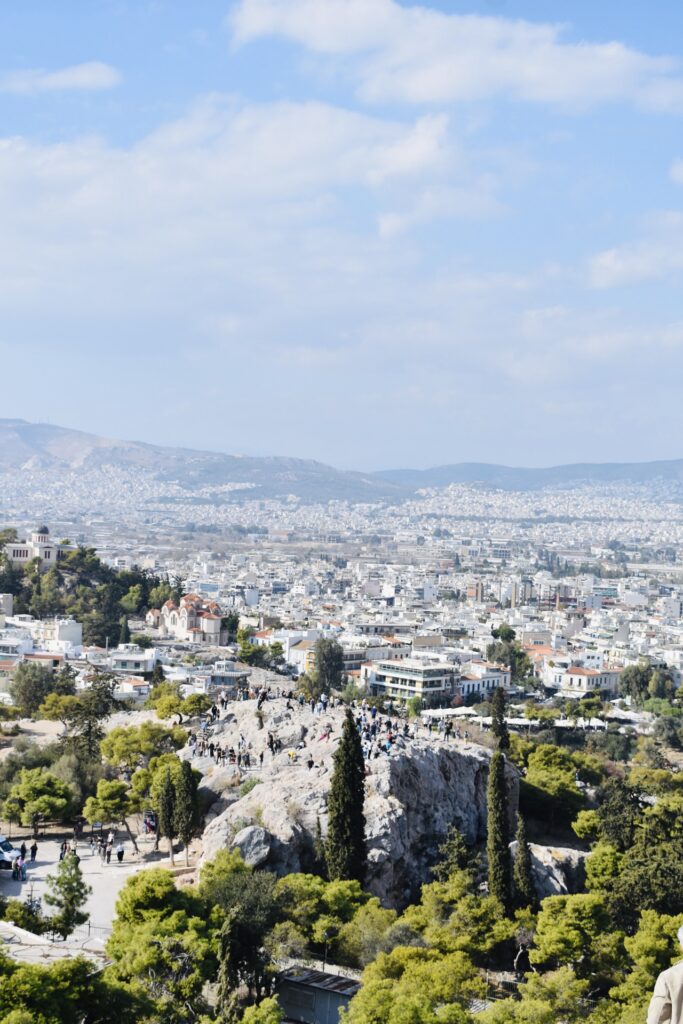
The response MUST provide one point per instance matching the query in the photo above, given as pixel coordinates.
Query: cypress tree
(319, 851)
(522, 875)
(157, 674)
(497, 840)
(227, 981)
(345, 847)
(453, 856)
(499, 725)
(166, 809)
(124, 633)
(185, 807)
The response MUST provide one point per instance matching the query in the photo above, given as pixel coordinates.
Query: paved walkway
(106, 880)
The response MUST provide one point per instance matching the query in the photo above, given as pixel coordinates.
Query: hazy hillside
(520, 479)
(41, 447)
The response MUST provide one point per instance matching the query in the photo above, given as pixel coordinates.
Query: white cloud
(676, 172)
(92, 75)
(420, 55)
(477, 201)
(229, 202)
(657, 255)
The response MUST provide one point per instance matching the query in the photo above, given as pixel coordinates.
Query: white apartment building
(434, 682)
(61, 635)
(482, 678)
(579, 681)
(222, 675)
(131, 660)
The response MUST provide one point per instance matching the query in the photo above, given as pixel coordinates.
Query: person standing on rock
(666, 1005)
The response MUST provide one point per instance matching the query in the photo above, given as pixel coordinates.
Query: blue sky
(373, 233)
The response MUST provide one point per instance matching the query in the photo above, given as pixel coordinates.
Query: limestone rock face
(218, 789)
(557, 870)
(412, 797)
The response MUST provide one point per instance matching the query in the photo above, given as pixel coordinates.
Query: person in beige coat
(666, 1005)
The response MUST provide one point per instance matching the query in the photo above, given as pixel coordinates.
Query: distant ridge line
(37, 447)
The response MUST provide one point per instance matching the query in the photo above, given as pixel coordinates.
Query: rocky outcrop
(557, 870)
(412, 798)
(255, 844)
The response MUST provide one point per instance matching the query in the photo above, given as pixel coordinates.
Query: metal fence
(91, 931)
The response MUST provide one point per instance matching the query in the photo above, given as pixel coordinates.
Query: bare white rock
(412, 798)
(557, 870)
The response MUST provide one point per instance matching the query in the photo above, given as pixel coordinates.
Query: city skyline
(374, 234)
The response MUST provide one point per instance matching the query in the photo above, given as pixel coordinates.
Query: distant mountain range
(41, 447)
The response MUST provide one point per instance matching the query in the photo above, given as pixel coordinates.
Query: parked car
(8, 853)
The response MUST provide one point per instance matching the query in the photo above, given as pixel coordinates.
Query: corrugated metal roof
(320, 979)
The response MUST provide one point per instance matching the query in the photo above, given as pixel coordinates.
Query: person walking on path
(110, 847)
(22, 850)
(666, 1005)
(34, 851)
(119, 853)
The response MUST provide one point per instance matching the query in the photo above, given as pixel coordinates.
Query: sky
(375, 233)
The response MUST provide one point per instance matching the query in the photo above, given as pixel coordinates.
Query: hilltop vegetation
(83, 587)
(480, 928)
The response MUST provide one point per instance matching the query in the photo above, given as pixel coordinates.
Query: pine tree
(499, 725)
(497, 840)
(345, 847)
(522, 875)
(185, 807)
(68, 893)
(124, 634)
(166, 811)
